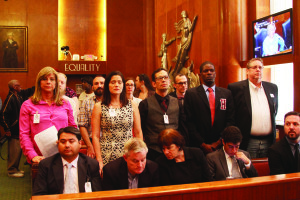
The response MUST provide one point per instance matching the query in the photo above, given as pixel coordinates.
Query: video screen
(273, 35)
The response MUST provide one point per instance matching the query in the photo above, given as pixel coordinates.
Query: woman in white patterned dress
(115, 116)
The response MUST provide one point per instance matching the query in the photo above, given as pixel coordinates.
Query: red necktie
(164, 106)
(211, 98)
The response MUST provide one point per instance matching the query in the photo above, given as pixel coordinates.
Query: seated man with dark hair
(132, 170)
(67, 171)
(230, 162)
(284, 155)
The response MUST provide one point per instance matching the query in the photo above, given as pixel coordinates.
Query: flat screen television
(273, 35)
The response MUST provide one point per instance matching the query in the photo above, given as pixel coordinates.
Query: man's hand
(207, 148)
(241, 156)
(8, 133)
(216, 145)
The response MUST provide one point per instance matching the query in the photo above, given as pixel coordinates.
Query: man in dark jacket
(9, 119)
(132, 170)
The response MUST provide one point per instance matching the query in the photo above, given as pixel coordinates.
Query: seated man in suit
(132, 170)
(284, 155)
(67, 171)
(230, 162)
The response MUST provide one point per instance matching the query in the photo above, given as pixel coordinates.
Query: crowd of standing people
(137, 134)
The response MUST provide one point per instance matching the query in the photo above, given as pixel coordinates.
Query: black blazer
(115, 175)
(196, 107)
(281, 158)
(50, 177)
(219, 169)
(193, 170)
(243, 111)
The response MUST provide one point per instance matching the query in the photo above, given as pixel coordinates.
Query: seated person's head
(135, 152)
(231, 138)
(292, 126)
(69, 143)
(171, 142)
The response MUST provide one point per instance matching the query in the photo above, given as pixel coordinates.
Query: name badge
(166, 119)
(222, 104)
(36, 118)
(88, 187)
(112, 112)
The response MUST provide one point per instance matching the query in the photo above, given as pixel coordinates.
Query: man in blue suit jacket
(203, 131)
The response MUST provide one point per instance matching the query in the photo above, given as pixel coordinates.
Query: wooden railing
(286, 186)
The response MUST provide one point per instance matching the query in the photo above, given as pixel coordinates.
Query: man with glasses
(256, 104)
(158, 112)
(181, 85)
(230, 162)
(209, 109)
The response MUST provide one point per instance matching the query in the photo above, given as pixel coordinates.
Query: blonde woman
(43, 110)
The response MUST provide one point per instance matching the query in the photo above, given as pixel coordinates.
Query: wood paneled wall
(134, 29)
(220, 34)
(41, 19)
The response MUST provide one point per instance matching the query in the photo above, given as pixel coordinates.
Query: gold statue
(185, 27)
(163, 50)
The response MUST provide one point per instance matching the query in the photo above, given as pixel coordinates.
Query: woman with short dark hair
(180, 164)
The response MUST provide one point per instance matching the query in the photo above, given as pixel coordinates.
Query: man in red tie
(209, 109)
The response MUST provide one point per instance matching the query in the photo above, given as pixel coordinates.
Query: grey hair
(11, 84)
(136, 145)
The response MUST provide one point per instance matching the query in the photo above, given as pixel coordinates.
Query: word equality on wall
(82, 67)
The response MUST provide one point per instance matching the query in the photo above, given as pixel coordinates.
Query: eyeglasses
(182, 83)
(129, 85)
(256, 67)
(160, 78)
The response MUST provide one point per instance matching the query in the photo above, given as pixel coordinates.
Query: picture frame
(14, 49)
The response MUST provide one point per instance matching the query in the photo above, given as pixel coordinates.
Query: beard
(99, 92)
(295, 136)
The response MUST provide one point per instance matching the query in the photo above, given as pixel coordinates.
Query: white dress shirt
(74, 172)
(261, 117)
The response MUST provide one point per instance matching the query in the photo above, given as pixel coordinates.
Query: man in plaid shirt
(85, 114)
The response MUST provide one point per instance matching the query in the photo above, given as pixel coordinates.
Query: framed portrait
(14, 48)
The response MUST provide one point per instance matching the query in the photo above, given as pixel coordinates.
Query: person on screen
(272, 41)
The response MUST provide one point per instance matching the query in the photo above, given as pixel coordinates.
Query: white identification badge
(36, 118)
(166, 119)
(88, 187)
(112, 112)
